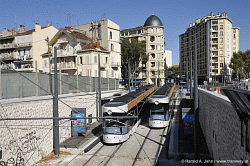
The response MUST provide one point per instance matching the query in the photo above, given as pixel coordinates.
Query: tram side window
(115, 127)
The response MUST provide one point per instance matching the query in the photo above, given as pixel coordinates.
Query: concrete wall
(221, 127)
(27, 141)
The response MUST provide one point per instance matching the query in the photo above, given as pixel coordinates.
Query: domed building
(152, 34)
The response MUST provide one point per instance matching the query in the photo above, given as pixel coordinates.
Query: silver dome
(153, 21)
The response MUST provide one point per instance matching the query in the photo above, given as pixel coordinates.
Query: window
(221, 26)
(80, 60)
(234, 31)
(158, 47)
(221, 52)
(107, 60)
(95, 59)
(221, 33)
(110, 35)
(112, 47)
(234, 36)
(221, 20)
(221, 45)
(158, 55)
(221, 64)
(152, 30)
(221, 39)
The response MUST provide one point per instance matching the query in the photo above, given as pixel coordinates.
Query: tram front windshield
(159, 112)
(115, 127)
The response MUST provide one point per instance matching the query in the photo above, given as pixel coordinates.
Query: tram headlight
(109, 112)
(156, 102)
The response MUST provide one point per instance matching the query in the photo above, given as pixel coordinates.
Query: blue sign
(79, 125)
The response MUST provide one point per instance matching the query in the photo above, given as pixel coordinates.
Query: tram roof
(132, 95)
(164, 90)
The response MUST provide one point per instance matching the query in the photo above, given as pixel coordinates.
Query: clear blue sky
(174, 14)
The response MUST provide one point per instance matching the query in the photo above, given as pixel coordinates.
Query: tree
(132, 52)
(238, 63)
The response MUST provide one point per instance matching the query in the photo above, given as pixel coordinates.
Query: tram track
(105, 160)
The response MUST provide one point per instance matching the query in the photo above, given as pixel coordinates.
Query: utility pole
(135, 74)
(158, 74)
(55, 109)
(36, 78)
(187, 76)
(191, 76)
(99, 87)
(129, 75)
(196, 114)
(1, 79)
(50, 77)
(60, 76)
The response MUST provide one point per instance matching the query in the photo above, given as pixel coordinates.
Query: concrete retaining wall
(28, 141)
(221, 127)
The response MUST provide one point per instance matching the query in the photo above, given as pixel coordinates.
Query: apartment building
(21, 51)
(107, 33)
(77, 54)
(151, 33)
(216, 41)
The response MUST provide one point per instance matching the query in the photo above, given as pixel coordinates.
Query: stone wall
(27, 141)
(221, 127)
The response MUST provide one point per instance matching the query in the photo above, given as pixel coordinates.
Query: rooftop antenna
(69, 16)
(15, 20)
(104, 16)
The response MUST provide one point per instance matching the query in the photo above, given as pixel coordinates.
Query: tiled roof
(92, 46)
(79, 35)
(28, 32)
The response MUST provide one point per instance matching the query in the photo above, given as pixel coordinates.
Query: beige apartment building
(107, 33)
(21, 51)
(77, 54)
(216, 40)
(152, 34)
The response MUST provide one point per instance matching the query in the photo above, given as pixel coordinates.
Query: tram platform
(74, 146)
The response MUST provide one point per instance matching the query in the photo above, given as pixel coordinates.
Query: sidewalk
(72, 147)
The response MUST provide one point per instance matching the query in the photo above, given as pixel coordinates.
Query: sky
(174, 14)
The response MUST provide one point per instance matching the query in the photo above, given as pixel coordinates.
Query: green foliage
(240, 62)
(132, 51)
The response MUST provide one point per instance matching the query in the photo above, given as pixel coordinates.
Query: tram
(159, 106)
(117, 130)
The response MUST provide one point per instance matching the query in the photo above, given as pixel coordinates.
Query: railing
(103, 65)
(115, 64)
(63, 53)
(63, 40)
(65, 65)
(29, 44)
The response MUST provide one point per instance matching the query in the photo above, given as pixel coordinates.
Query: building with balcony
(151, 33)
(21, 50)
(77, 54)
(216, 40)
(107, 33)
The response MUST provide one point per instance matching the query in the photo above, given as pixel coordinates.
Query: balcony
(7, 46)
(23, 45)
(115, 64)
(65, 66)
(62, 40)
(8, 56)
(103, 65)
(63, 53)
